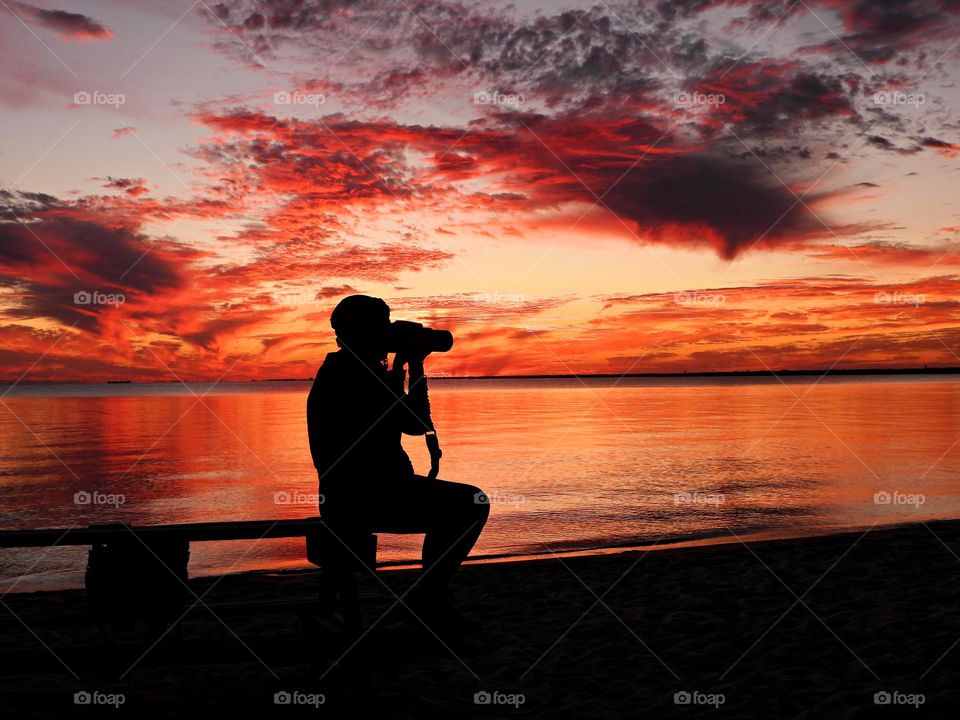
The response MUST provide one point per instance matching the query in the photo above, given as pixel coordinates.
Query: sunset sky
(189, 188)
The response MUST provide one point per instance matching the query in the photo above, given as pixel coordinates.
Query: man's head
(361, 323)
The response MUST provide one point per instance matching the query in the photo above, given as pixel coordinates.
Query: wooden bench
(140, 572)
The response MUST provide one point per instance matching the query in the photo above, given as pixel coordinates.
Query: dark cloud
(130, 186)
(878, 31)
(881, 142)
(778, 98)
(949, 149)
(70, 26)
(731, 205)
(49, 251)
(884, 144)
(606, 56)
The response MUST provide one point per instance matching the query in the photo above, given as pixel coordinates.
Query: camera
(409, 337)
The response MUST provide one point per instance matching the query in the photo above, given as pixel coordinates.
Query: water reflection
(567, 464)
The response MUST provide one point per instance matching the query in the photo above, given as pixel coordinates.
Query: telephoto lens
(409, 336)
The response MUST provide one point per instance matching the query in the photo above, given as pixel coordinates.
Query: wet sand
(785, 628)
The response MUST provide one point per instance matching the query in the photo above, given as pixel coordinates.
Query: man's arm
(415, 417)
(415, 411)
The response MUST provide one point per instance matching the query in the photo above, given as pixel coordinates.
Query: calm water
(567, 464)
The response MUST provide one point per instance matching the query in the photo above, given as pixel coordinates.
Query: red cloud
(892, 255)
(663, 190)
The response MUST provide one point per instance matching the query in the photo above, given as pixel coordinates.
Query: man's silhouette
(357, 411)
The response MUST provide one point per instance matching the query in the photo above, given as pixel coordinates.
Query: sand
(790, 628)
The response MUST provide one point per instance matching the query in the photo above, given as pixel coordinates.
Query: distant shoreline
(548, 376)
(716, 373)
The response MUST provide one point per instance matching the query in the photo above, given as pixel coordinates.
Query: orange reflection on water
(566, 464)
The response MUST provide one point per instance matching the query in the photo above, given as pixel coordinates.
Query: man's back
(354, 425)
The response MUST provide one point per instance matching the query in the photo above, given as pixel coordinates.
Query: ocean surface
(569, 465)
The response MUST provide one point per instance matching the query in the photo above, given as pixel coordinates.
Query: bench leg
(341, 550)
(350, 597)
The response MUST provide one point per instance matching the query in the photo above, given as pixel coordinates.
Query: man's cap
(358, 313)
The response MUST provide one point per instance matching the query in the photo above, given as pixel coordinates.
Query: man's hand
(415, 366)
(399, 360)
(413, 359)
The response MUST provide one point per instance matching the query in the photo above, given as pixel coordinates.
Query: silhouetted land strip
(573, 376)
(719, 373)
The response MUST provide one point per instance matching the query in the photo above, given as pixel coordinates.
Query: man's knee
(480, 503)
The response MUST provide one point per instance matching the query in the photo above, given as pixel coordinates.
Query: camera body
(413, 338)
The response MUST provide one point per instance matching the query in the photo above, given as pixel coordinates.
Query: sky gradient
(189, 188)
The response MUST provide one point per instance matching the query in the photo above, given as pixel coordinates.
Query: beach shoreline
(818, 624)
(664, 543)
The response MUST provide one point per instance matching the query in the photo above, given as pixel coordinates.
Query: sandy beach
(793, 628)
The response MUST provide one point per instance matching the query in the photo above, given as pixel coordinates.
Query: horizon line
(948, 370)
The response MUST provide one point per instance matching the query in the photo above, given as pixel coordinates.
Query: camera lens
(439, 340)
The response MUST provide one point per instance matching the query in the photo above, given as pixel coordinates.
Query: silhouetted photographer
(357, 411)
